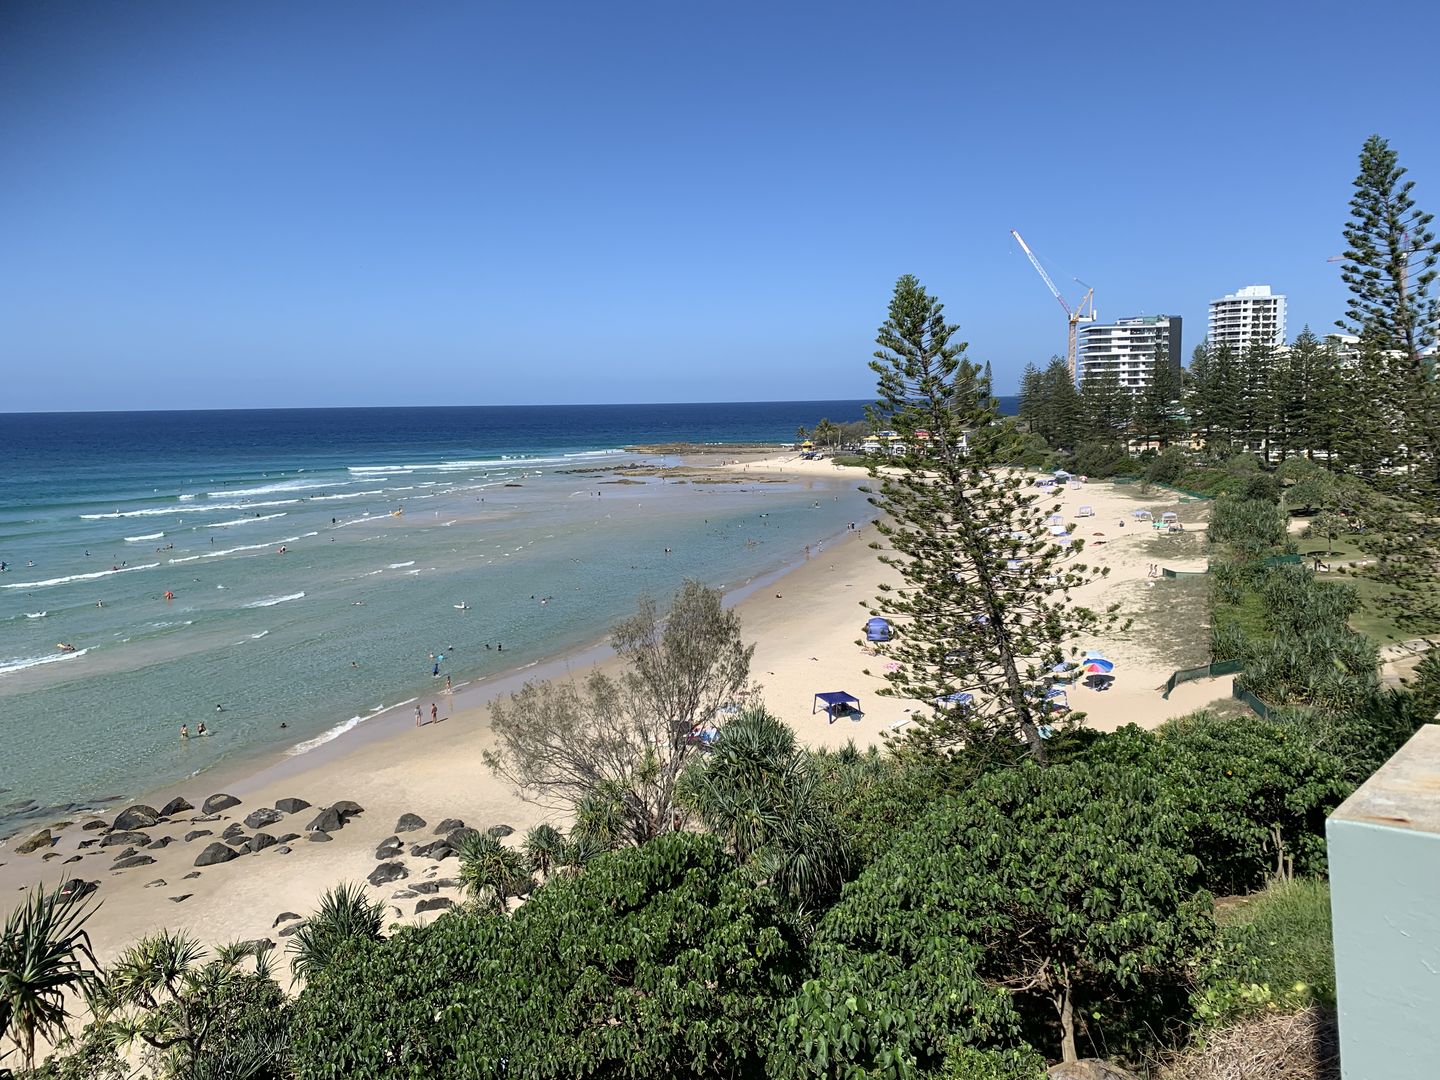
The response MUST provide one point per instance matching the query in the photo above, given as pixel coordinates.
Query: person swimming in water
(184, 731)
(201, 729)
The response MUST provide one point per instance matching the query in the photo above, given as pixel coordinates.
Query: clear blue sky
(266, 204)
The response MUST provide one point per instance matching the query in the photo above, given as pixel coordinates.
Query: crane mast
(1073, 316)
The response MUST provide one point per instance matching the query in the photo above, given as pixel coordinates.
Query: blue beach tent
(877, 629)
(838, 703)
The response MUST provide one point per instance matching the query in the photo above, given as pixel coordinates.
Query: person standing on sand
(448, 690)
(434, 713)
(419, 716)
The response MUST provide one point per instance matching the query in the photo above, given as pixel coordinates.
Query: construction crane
(1083, 312)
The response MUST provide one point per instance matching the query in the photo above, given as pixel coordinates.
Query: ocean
(407, 533)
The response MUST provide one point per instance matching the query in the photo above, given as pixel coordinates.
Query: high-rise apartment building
(1251, 313)
(1127, 349)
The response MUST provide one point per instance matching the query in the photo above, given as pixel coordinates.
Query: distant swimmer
(447, 684)
(64, 646)
(169, 595)
(219, 708)
(99, 603)
(201, 729)
(282, 550)
(184, 731)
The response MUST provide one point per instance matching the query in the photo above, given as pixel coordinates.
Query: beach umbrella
(961, 698)
(1097, 665)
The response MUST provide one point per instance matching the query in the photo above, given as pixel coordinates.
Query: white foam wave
(347, 495)
(325, 736)
(257, 637)
(147, 536)
(233, 550)
(273, 600)
(400, 565)
(36, 614)
(282, 485)
(9, 667)
(243, 521)
(160, 511)
(78, 577)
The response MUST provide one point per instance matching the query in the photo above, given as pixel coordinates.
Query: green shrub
(1274, 952)
(1167, 467)
(1098, 460)
(1252, 527)
(1254, 793)
(655, 961)
(1069, 879)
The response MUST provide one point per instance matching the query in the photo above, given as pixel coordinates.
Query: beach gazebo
(1142, 515)
(962, 699)
(1055, 519)
(1056, 529)
(1061, 476)
(837, 703)
(877, 629)
(1169, 517)
(1085, 511)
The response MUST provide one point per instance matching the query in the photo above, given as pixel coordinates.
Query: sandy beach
(805, 624)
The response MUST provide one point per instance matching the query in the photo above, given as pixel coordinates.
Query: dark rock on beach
(258, 819)
(320, 836)
(459, 836)
(215, 803)
(286, 931)
(326, 821)
(409, 823)
(450, 824)
(215, 853)
(93, 824)
(499, 832)
(114, 839)
(41, 839)
(181, 898)
(196, 834)
(73, 858)
(75, 888)
(288, 837)
(233, 831)
(191, 874)
(161, 842)
(133, 860)
(284, 916)
(435, 903)
(387, 872)
(175, 806)
(158, 883)
(126, 853)
(389, 848)
(204, 817)
(426, 887)
(283, 849)
(291, 806)
(138, 816)
(260, 841)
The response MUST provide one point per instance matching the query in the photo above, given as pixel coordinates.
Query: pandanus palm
(346, 914)
(492, 871)
(543, 845)
(45, 957)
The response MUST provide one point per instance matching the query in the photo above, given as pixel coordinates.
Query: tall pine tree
(984, 606)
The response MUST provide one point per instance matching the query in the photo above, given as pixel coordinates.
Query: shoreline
(804, 618)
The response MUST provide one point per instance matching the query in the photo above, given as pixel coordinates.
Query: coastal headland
(415, 784)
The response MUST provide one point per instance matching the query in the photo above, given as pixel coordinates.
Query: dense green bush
(661, 960)
(1167, 467)
(1255, 795)
(1274, 952)
(1072, 879)
(1251, 527)
(1099, 460)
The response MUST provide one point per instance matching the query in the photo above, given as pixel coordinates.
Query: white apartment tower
(1243, 316)
(1127, 348)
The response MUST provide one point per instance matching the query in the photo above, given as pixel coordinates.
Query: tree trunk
(1067, 1026)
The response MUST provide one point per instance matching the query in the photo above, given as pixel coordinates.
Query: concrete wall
(1384, 844)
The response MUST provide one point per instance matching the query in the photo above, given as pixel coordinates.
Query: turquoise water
(343, 624)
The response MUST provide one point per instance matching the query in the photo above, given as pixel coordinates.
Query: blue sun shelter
(877, 629)
(838, 703)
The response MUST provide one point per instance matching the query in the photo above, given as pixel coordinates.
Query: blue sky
(267, 204)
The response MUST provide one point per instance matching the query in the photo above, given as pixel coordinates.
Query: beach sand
(805, 627)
